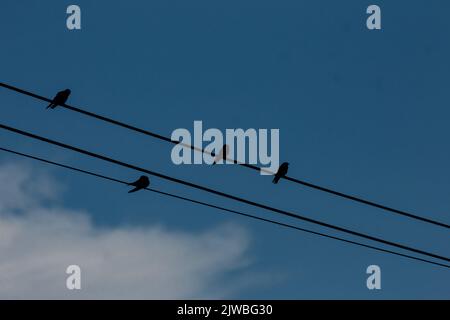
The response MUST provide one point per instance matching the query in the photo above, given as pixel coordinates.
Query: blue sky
(364, 112)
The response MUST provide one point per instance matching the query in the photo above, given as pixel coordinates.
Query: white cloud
(38, 242)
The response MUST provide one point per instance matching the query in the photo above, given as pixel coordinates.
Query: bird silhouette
(222, 155)
(60, 98)
(282, 171)
(141, 183)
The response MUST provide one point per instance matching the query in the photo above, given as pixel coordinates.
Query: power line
(298, 181)
(219, 193)
(222, 208)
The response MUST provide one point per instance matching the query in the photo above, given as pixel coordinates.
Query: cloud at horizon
(39, 238)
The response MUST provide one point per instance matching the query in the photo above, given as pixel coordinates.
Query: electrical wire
(220, 208)
(219, 193)
(295, 180)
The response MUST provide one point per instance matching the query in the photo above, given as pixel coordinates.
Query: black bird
(141, 183)
(282, 171)
(60, 98)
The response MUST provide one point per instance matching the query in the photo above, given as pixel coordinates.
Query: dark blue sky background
(364, 112)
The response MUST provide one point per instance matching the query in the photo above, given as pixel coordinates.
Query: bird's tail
(276, 179)
(50, 105)
(133, 190)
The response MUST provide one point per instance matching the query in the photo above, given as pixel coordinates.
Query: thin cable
(222, 208)
(219, 193)
(298, 181)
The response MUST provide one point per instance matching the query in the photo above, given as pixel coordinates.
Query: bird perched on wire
(282, 171)
(222, 155)
(60, 99)
(141, 183)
